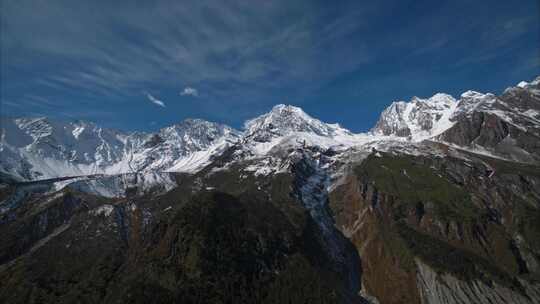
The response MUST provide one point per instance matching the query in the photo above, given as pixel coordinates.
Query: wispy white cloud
(212, 44)
(189, 91)
(245, 53)
(155, 100)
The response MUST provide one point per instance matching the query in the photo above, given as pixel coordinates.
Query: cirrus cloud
(243, 56)
(155, 100)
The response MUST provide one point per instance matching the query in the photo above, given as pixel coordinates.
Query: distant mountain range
(438, 203)
(40, 148)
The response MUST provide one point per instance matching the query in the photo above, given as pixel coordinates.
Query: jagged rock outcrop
(418, 119)
(508, 125)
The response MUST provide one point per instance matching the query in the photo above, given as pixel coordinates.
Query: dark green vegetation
(413, 181)
(225, 235)
(219, 238)
(445, 258)
(455, 215)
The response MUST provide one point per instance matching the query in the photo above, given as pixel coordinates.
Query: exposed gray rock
(443, 288)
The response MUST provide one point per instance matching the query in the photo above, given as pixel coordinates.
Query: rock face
(445, 228)
(436, 288)
(283, 120)
(418, 119)
(508, 125)
(439, 203)
(38, 148)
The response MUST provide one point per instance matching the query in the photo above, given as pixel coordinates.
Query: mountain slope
(508, 125)
(439, 203)
(418, 119)
(39, 148)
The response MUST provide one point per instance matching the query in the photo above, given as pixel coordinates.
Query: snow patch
(522, 84)
(105, 210)
(77, 131)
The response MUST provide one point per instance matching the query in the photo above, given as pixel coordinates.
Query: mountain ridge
(289, 206)
(80, 147)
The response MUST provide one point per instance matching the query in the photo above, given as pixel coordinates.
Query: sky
(143, 65)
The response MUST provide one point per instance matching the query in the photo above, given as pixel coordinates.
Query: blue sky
(142, 65)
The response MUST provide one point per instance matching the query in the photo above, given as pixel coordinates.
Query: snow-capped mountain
(506, 125)
(39, 148)
(33, 148)
(517, 105)
(421, 119)
(289, 126)
(283, 120)
(181, 147)
(439, 203)
(418, 118)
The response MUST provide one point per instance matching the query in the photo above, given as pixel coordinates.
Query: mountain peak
(286, 119)
(40, 147)
(472, 94)
(532, 87)
(192, 122)
(438, 98)
(279, 108)
(419, 118)
(442, 98)
(196, 128)
(526, 85)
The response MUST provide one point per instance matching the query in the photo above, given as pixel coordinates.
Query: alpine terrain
(438, 203)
